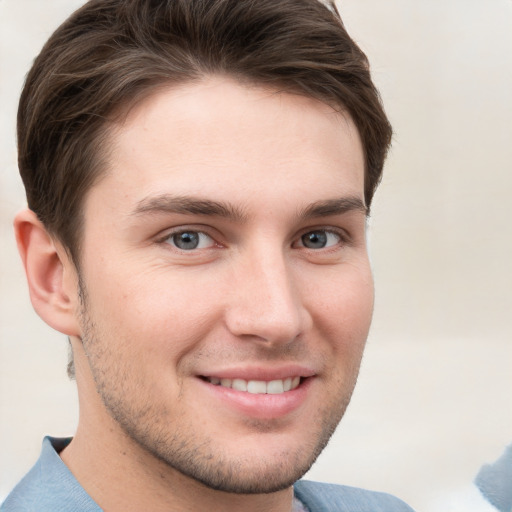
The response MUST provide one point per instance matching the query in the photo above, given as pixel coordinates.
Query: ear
(51, 275)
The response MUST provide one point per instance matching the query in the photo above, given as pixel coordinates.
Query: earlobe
(51, 275)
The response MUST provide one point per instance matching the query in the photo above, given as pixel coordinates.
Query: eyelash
(181, 231)
(343, 238)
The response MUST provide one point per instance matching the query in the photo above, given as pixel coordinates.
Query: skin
(273, 172)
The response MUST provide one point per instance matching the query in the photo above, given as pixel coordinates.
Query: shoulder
(322, 497)
(23, 497)
(49, 486)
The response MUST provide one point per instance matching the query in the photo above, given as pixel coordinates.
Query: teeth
(274, 387)
(259, 387)
(239, 384)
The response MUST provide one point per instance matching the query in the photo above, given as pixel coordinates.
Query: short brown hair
(110, 53)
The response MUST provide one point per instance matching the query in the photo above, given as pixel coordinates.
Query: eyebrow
(166, 203)
(337, 206)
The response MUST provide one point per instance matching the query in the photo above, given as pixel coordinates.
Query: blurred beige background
(434, 399)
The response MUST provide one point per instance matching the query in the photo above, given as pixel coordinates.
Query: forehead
(218, 137)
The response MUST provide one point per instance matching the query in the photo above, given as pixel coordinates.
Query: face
(226, 289)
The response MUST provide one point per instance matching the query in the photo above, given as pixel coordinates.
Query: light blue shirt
(50, 487)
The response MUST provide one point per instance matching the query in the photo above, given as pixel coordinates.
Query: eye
(190, 240)
(320, 239)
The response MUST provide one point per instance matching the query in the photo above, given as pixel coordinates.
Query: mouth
(259, 393)
(258, 387)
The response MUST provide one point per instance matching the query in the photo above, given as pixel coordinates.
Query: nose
(265, 301)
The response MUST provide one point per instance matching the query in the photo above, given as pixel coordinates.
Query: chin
(247, 477)
(243, 469)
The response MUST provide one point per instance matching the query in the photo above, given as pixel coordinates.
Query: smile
(257, 387)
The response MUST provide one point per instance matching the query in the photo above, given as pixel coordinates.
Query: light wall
(433, 401)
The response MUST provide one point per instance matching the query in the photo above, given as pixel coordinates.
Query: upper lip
(261, 373)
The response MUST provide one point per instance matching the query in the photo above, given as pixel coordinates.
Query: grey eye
(190, 240)
(319, 239)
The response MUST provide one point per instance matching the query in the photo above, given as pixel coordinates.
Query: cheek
(343, 308)
(152, 311)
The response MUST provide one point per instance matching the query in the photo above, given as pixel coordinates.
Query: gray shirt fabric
(321, 497)
(495, 482)
(50, 487)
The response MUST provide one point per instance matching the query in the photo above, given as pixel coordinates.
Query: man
(199, 173)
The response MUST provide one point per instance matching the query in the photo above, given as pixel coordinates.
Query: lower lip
(261, 406)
